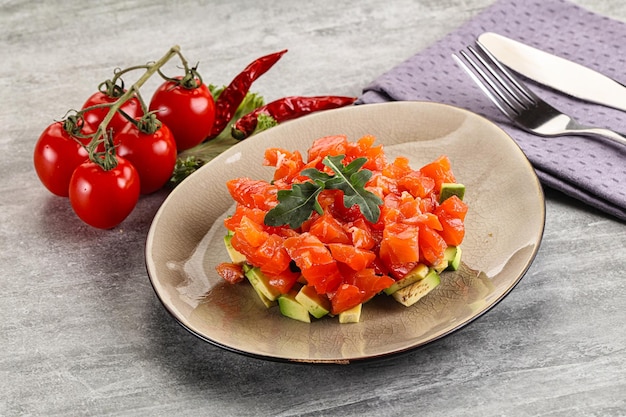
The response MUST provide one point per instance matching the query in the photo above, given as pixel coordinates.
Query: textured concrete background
(81, 330)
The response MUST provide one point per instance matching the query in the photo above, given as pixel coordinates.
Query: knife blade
(556, 72)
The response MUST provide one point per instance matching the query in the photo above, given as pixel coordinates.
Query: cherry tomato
(93, 118)
(56, 156)
(152, 154)
(103, 199)
(188, 112)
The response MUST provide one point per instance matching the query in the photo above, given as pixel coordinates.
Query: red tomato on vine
(104, 198)
(189, 111)
(57, 153)
(94, 117)
(152, 154)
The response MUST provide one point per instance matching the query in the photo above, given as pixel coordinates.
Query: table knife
(553, 71)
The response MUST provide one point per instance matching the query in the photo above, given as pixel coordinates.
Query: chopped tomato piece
(400, 243)
(232, 273)
(391, 215)
(274, 156)
(398, 168)
(409, 207)
(337, 207)
(430, 220)
(328, 146)
(252, 193)
(399, 248)
(254, 214)
(284, 281)
(329, 230)
(416, 183)
(271, 256)
(454, 206)
(365, 148)
(399, 271)
(428, 203)
(392, 201)
(439, 170)
(370, 283)
(283, 231)
(315, 262)
(385, 184)
(361, 235)
(355, 258)
(288, 164)
(346, 297)
(432, 245)
(451, 214)
(312, 163)
(306, 225)
(453, 229)
(380, 268)
(242, 246)
(251, 232)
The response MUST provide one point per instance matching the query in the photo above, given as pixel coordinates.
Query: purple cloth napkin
(588, 169)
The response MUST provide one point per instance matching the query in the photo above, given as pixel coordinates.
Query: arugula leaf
(295, 205)
(351, 179)
(316, 175)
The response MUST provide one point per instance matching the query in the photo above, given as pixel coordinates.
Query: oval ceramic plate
(504, 227)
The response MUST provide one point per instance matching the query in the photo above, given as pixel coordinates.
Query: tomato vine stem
(107, 160)
(119, 72)
(190, 80)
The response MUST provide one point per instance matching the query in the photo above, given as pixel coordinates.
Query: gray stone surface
(82, 332)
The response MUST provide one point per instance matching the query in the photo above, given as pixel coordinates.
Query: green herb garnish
(264, 122)
(296, 204)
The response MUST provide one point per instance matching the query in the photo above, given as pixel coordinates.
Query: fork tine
(510, 77)
(504, 89)
(482, 80)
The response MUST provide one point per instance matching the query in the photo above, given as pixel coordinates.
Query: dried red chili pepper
(287, 108)
(232, 96)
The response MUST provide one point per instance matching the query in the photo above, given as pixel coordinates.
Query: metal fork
(518, 102)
